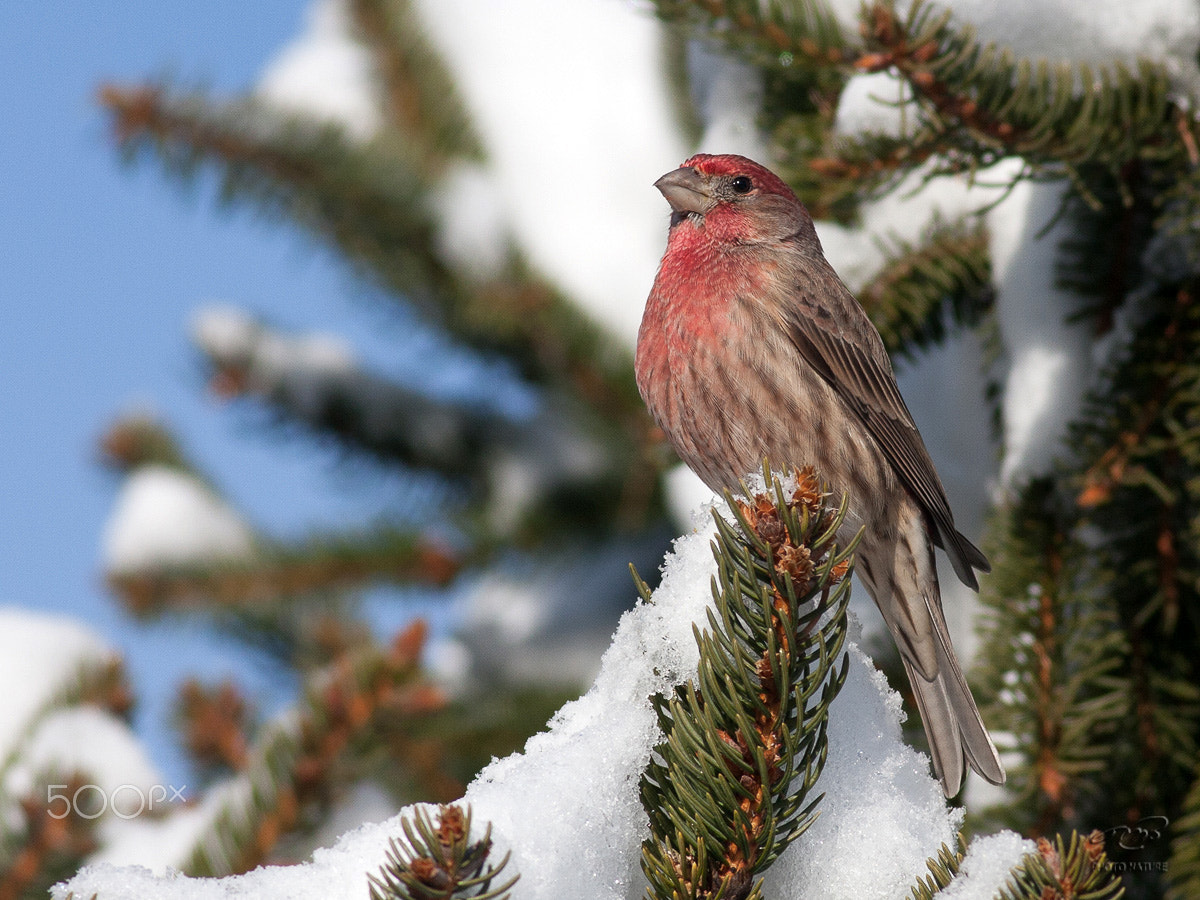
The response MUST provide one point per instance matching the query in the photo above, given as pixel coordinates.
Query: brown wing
(849, 354)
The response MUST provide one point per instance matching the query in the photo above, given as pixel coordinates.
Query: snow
(548, 623)
(685, 494)
(473, 228)
(568, 809)
(157, 843)
(226, 332)
(164, 516)
(1050, 357)
(233, 337)
(880, 802)
(161, 844)
(570, 161)
(573, 156)
(89, 740)
(874, 103)
(1100, 31)
(41, 658)
(119, 778)
(1096, 32)
(325, 74)
(987, 865)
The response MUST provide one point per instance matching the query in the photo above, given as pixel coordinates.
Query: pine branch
(51, 843)
(96, 682)
(366, 199)
(440, 862)
(420, 98)
(728, 789)
(293, 763)
(1064, 872)
(139, 440)
(942, 869)
(1120, 435)
(999, 105)
(1139, 450)
(921, 289)
(1108, 226)
(318, 566)
(1183, 868)
(311, 380)
(770, 35)
(215, 723)
(1050, 660)
(975, 103)
(305, 379)
(371, 202)
(801, 53)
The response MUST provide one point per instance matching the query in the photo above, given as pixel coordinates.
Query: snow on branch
(568, 807)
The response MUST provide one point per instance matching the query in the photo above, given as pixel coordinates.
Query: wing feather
(850, 356)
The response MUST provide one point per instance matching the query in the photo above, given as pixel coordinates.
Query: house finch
(751, 347)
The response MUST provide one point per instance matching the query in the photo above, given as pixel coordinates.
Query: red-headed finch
(752, 347)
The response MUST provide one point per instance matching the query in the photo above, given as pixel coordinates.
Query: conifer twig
(372, 202)
(53, 843)
(942, 869)
(273, 575)
(728, 789)
(949, 272)
(420, 98)
(292, 762)
(439, 861)
(1058, 871)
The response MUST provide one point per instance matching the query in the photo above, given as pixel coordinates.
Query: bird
(751, 347)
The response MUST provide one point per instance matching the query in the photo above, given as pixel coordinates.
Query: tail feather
(952, 722)
(900, 574)
(963, 555)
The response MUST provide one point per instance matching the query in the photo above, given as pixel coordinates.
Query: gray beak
(686, 191)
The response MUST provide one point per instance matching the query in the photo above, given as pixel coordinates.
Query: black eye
(742, 185)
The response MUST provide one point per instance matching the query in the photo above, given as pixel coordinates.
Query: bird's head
(734, 199)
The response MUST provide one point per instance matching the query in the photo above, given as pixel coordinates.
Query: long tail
(952, 722)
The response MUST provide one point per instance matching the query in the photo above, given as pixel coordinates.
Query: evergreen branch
(804, 33)
(948, 277)
(214, 722)
(370, 201)
(51, 843)
(728, 789)
(1109, 222)
(308, 380)
(332, 395)
(985, 103)
(440, 862)
(974, 104)
(870, 164)
(420, 98)
(320, 565)
(942, 869)
(294, 761)
(1139, 420)
(1064, 872)
(140, 440)
(801, 53)
(1051, 653)
(94, 682)
(366, 199)
(1139, 448)
(1183, 868)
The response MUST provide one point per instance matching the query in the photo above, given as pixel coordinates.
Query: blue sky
(101, 265)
